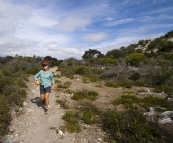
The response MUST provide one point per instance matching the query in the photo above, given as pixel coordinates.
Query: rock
(20, 109)
(9, 139)
(24, 103)
(99, 139)
(60, 133)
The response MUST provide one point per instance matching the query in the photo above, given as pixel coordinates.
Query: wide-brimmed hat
(45, 64)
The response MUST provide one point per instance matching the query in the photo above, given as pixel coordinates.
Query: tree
(135, 58)
(115, 53)
(92, 53)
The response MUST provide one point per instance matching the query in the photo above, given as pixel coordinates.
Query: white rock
(16, 135)
(11, 130)
(20, 109)
(24, 103)
(60, 133)
(99, 139)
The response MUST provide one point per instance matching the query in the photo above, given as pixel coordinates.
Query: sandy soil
(32, 126)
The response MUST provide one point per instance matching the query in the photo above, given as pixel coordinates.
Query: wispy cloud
(95, 36)
(119, 22)
(72, 23)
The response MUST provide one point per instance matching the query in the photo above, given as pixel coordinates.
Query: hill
(97, 96)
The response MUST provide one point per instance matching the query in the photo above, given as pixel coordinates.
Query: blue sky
(67, 28)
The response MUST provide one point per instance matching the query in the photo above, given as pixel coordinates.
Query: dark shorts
(45, 90)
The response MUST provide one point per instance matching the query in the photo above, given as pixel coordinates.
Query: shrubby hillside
(149, 63)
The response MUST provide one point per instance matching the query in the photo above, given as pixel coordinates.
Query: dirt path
(33, 126)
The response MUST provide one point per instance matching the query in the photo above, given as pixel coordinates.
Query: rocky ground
(33, 126)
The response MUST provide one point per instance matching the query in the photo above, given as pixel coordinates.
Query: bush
(63, 103)
(128, 126)
(14, 95)
(89, 111)
(112, 84)
(84, 93)
(5, 117)
(127, 100)
(155, 102)
(72, 124)
(67, 83)
(82, 70)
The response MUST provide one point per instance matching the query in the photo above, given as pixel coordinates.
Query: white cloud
(12, 46)
(118, 22)
(12, 17)
(72, 23)
(52, 46)
(95, 36)
(66, 52)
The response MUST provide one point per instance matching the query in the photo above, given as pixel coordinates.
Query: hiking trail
(33, 126)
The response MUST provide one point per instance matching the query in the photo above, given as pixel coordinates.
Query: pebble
(99, 139)
(60, 133)
(9, 139)
(24, 103)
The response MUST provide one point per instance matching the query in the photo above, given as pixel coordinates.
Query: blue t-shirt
(46, 78)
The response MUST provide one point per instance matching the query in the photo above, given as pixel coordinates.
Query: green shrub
(63, 103)
(21, 83)
(128, 126)
(84, 93)
(82, 70)
(61, 86)
(89, 111)
(127, 100)
(32, 71)
(67, 71)
(125, 84)
(57, 81)
(96, 71)
(14, 95)
(88, 117)
(112, 84)
(155, 102)
(67, 83)
(70, 76)
(5, 117)
(91, 79)
(69, 91)
(71, 122)
(1, 73)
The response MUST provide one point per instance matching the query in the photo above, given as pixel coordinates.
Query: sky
(67, 28)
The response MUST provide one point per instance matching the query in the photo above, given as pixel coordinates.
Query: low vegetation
(84, 93)
(148, 63)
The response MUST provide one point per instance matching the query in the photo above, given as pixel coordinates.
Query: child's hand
(52, 87)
